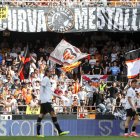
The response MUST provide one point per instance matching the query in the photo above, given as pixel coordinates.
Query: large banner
(76, 127)
(80, 19)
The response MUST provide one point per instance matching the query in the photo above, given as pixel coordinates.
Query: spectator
(92, 61)
(82, 96)
(86, 68)
(112, 93)
(115, 70)
(90, 90)
(106, 64)
(21, 104)
(92, 50)
(75, 105)
(100, 101)
(34, 102)
(28, 97)
(97, 69)
(114, 56)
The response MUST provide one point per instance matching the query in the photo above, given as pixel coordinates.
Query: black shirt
(86, 68)
(105, 63)
(97, 69)
(113, 92)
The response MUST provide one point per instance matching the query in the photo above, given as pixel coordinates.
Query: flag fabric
(65, 54)
(70, 67)
(94, 78)
(24, 66)
(133, 63)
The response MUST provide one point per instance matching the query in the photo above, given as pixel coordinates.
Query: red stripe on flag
(21, 75)
(133, 76)
(131, 61)
(26, 60)
(86, 78)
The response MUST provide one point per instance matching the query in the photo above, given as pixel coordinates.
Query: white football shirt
(130, 93)
(45, 90)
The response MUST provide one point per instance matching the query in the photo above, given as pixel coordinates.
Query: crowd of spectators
(106, 58)
(70, 3)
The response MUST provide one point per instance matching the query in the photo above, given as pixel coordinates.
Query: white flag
(65, 53)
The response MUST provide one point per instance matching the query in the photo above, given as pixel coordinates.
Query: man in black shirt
(97, 69)
(113, 91)
(99, 101)
(86, 68)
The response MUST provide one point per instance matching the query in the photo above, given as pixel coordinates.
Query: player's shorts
(46, 108)
(130, 112)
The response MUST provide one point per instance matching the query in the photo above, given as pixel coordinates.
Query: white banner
(64, 19)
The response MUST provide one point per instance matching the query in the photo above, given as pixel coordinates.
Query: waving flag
(24, 65)
(133, 63)
(67, 55)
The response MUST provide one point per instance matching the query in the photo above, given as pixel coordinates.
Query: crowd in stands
(70, 3)
(106, 58)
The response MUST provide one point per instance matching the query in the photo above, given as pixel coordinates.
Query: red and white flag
(133, 63)
(94, 78)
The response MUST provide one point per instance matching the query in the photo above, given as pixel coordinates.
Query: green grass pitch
(69, 138)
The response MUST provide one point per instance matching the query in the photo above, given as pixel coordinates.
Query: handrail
(71, 111)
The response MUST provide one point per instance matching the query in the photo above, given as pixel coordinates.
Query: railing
(71, 3)
(78, 110)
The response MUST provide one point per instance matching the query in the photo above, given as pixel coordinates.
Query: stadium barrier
(76, 127)
(36, 110)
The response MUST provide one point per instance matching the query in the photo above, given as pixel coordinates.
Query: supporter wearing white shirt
(123, 101)
(92, 61)
(92, 50)
(74, 96)
(63, 86)
(13, 54)
(37, 85)
(53, 83)
(114, 56)
(67, 102)
(34, 102)
(90, 89)
(82, 96)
